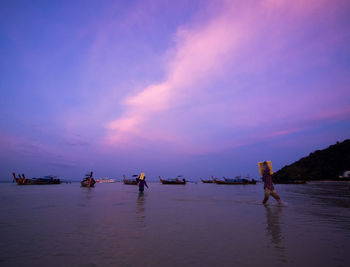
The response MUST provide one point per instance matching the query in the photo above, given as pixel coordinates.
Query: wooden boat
(35, 181)
(133, 181)
(210, 181)
(234, 181)
(229, 181)
(173, 181)
(88, 181)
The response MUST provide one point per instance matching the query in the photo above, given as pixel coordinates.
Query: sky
(193, 88)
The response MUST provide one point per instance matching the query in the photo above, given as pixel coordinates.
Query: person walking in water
(268, 185)
(142, 182)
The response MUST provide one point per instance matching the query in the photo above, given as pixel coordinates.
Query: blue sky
(194, 88)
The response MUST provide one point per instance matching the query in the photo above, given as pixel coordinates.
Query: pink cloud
(242, 39)
(196, 54)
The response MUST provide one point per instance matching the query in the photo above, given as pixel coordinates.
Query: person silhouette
(142, 183)
(269, 189)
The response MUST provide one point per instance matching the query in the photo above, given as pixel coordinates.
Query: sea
(174, 225)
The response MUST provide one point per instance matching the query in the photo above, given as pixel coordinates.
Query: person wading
(268, 185)
(142, 182)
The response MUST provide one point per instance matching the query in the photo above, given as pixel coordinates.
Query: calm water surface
(174, 225)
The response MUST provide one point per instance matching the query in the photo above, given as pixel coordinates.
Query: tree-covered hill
(326, 164)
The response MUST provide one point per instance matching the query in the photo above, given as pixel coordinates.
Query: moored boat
(132, 181)
(22, 180)
(173, 181)
(210, 181)
(234, 181)
(238, 180)
(88, 181)
(228, 181)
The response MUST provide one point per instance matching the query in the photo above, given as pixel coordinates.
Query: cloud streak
(234, 43)
(197, 53)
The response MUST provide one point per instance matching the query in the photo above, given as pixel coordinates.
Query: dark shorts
(141, 189)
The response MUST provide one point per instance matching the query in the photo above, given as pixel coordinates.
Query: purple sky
(197, 88)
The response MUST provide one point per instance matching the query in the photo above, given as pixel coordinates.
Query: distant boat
(173, 181)
(234, 181)
(88, 181)
(105, 180)
(132, 181)
(228, 181)
(210, 181)
(36, 181)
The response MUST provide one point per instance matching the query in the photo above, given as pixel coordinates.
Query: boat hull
(207, 181)
(86, 183)
(231, 183)
(176, 181)
(130, 182)
(234, 181)
(35, 181)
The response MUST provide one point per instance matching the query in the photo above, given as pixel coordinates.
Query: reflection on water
(86, 196)
(273, 227)
(140, 209)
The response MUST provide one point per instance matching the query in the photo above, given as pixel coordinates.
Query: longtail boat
(234, 181)
(173, 181)
(210, 181)
(88, 181)
(227, 181)
(22, 180)
(132, 181)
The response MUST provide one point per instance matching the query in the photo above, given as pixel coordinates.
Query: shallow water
(174, 225)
